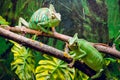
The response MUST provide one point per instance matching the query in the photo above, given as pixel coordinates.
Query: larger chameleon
(43, 19)
(83, 50)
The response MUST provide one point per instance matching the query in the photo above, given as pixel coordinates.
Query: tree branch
(99, 46)
(46, 49)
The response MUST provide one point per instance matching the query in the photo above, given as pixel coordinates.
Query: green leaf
(4, 46)
(113, 17)
(54, 69)
(79, 75)
(23, 63)
(3, 21)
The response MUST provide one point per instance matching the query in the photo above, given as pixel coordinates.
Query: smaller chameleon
(43, 19)
(83, 50)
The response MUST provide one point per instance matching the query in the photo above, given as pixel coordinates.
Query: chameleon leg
(77, 57)
(25, 23)
(97, 74)
(66, 51)
(53, 29)
(83, 54)
(43, 29)
(71, 64)
(66, 47)
(22, 21)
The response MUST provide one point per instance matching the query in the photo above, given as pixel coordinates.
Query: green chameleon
(83, 50)
(43, 19)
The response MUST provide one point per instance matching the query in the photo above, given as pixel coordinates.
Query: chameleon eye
(75, 44)
(53, 16)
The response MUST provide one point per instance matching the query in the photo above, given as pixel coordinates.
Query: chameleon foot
(97, 75)
(71, 64)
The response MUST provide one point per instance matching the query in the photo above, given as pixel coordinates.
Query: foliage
(3, 21)
(5, 56)
(53, 69)
(113, 72)
(113, 17)
(79, 75)
(117, 41)
(86, 17)
(114, 21)
(5, 72)
(3, 45)
(23, 63)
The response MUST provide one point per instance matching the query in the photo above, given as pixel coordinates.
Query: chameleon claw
(71, 64)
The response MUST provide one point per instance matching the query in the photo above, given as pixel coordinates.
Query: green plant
(23, 63)
(53, 69)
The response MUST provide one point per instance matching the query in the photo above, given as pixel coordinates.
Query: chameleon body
(83, 50)
(43, 19)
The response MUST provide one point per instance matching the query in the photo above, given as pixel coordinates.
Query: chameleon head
(73, 44)
(55, 18)
(57, 15)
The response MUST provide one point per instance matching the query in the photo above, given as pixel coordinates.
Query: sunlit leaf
(54, 69)
(3, 21)
(23, 63)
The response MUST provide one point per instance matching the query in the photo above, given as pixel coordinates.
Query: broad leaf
(54, 69)
(23, 63)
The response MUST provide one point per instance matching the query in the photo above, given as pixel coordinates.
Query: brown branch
(30, 31)
(108, 50)
(99, 47)
(46, 49)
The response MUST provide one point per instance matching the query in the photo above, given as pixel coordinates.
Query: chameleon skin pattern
(44, 17)
(92, 58)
